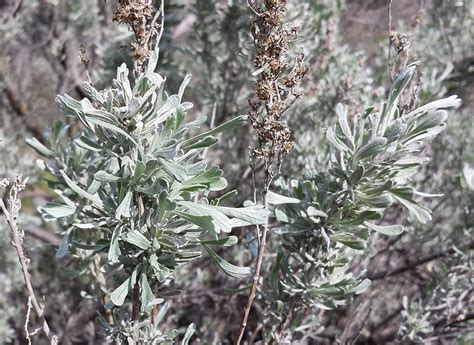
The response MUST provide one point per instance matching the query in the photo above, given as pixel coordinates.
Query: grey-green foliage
(337, 73)
(443, 41)
(328, 215)
(121, 331)
(449, 304)
(132, 185)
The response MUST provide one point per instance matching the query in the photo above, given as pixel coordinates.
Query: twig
(27, 320)
(161, 12)
(11, 215)
(410, 266)
(256, 276)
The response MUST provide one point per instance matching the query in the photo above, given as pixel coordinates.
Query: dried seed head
(274, 89)
(399, 41)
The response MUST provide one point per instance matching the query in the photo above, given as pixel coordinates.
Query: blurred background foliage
(422, 288)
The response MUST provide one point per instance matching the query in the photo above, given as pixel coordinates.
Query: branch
(22, 110)
(11, 216)
(412, 265)
(256, 276)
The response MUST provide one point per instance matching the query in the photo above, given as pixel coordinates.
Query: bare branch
(11, 216)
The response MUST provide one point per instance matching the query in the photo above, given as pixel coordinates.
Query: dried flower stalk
(274, 94)
(138, 15)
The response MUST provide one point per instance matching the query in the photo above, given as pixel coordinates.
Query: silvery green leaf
(357, 175)
(427, 195)
(220, 221)
(68, 105)
(93, 187)
(138, 239)
(361, 287)
(277, 199)
(341, 111)
(218, 185)
(204, 222)
(314, 212)
(426, 125)
(114, 249)
(394, 130)
(229, 269)
(39, 148)
(147, 296)
(122, 77)
(119, 294)
(382, 200)
(335, 141)
(400, 83)
(183, 85)
(388, 230)
(206, 142)
(226, 241)
(468, 172)
(235, 122)
(176, 170)
(91, 92)
(421, 213)
(251, 215)
(411, 160)
(84, 226)
(426, 134)
(348, 241)
(449, 102)
(54, 210)
(430, 120)
(104, 176)
(123, 210)
(189, 333)
(281, 216)
(88, 144)
(372, 148)
(63, 245)
(227, 196)
(161, 272)
(153, 60)
(81, 192)
(172, 102)
(104, 124)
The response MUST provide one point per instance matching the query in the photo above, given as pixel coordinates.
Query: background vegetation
(314, 286)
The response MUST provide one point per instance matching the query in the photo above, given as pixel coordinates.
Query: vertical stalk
(256, 276)
(274, 94)
(11, 216)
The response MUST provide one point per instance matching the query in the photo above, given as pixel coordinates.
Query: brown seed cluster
(136, 14)
(399, 41)
(277, 79)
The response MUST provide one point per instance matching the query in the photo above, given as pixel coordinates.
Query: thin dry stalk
(274, 93)
(11, 215)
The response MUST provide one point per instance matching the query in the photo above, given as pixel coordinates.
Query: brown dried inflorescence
(399, 41)
(277, 79)
(136, 14)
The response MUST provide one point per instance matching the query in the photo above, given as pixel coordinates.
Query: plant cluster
(356, 252)
(327, 215)
(131, 185)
